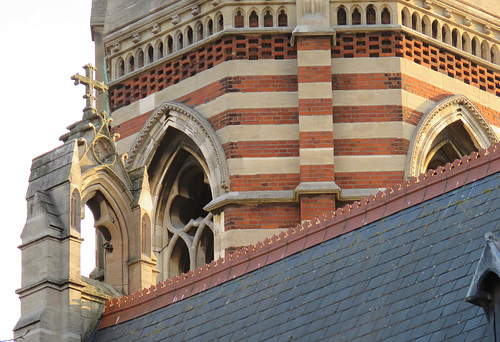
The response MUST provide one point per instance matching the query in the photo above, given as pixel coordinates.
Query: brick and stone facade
(326, 114)
(235, 120)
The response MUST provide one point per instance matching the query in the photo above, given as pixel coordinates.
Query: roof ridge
(308, 234)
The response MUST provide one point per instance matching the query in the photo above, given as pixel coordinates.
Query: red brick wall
(315, 205)
(262, 149)
(378, 179)
(255, 116)
(379, 146)
(263, 216)
(174, 71)
(262, 182)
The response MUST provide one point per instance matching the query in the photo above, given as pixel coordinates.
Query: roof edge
(409, 193)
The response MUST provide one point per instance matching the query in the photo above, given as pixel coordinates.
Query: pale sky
(44, 43)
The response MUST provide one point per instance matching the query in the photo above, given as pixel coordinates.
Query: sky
(44, 43)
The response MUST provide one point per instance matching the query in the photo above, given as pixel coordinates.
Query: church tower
(220, 123)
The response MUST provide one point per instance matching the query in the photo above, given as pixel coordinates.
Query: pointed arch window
(151, 54)
(356, 17)
(238, 20)
(268, 19)
(220, 23)
(187, 230)
(189, 36)
(160, 50)
(370, 15)
(386, 16)
(452, 129)
(140, 59)
(131, 64)
(341, 16)
(254, 19)
(414, 21)
(282, 19)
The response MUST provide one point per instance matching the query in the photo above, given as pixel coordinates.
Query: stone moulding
(310, 233)
(172, 114)
(423, 136)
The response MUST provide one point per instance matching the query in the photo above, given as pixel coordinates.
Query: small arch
(268, 18)
(220, 23)
(466, 42)
(151, 54)
(474, 48)
(179, 41)
(160, 50)
(494, 54)
(386, 16)
(140, 59)
(120, 67)
(445, 34)
(170, 45)
(239, 19)
(371, 16)
(189, 35)
(210, 27)
(425, 25)
(282, 18)
(356, 17)
(485, 51)
(253, 19)
(341, 16)
(104, 196)
(131, 64)
(454, 38)
(199, 31)
(405, 15)
(415, 22)
(435, 29)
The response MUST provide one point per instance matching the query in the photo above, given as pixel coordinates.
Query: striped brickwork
(313, 112)
(315, 122)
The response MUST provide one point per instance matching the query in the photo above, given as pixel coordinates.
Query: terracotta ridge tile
(310, 233)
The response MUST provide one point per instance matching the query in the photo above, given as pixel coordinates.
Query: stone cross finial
(90, 85)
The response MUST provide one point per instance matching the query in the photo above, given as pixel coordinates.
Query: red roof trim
(309, 234)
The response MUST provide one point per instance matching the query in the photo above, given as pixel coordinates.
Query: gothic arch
(119, 68)
(405, 17)
(454, 109)
(494, 54)
(159, 48)
(109, 200)
(386, 15)
(425, 25)
(268, 17)
(200, 34)
(282, 16)
(341, 15)
(196, 127)
(187, 169)
(239, 18)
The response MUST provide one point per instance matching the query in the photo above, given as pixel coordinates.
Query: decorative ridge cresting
(311, 233)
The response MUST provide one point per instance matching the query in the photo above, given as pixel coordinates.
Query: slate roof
(401, 277)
